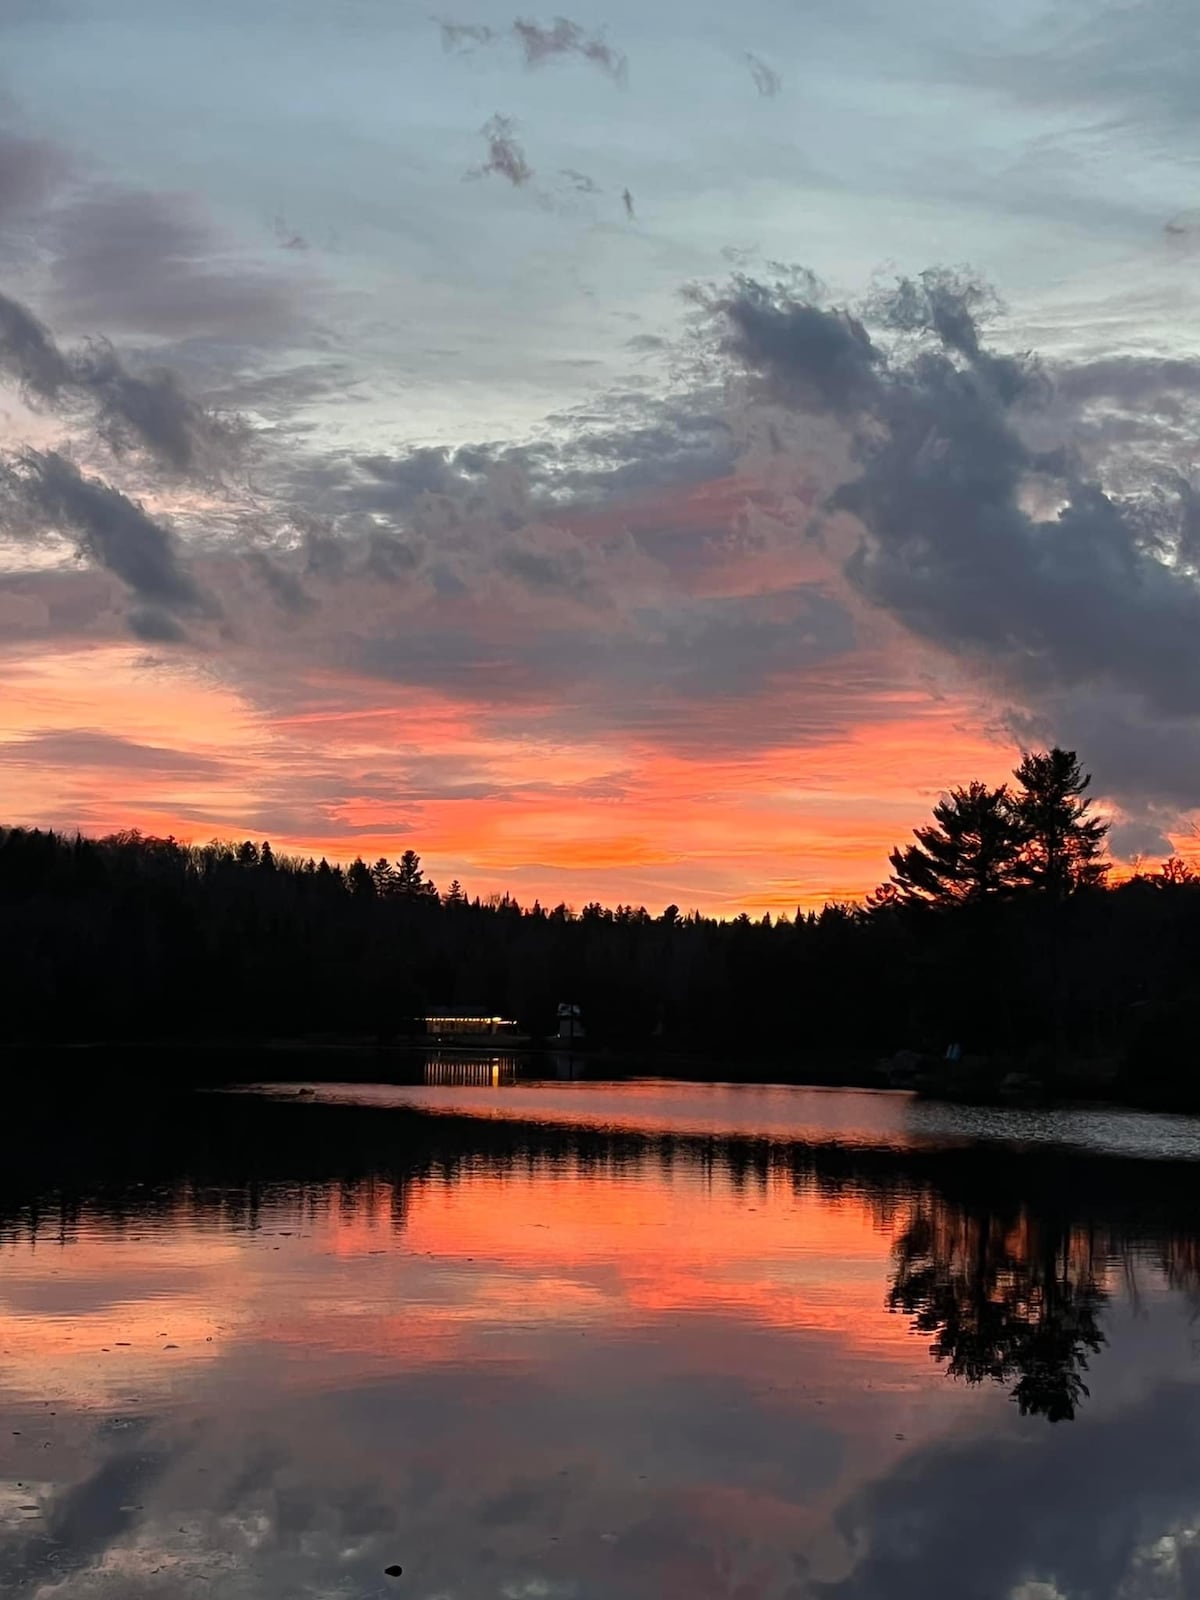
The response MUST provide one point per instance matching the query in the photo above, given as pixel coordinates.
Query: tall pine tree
(1061, 842)
(968, 854)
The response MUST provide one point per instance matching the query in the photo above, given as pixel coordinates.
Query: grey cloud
(684, 673)
(1040, 604)
(91, 747)
(276, 396)
(326, 555)
(766, 80)
(115, 532)
(565, 38)
(539, 43)
(1182, 231)
(151, 264)
(943, 302)
(154, 626)
(1127, 380)
(1139, 839)
(155, 412)
(151, 411)
(30, 170)
(286, 236)
(1145, 757)
(561, 571)
(654, 447)
(28, 353)
(53, 603)
(506, 158)
(580, 181)
(801, 354)
(429, 470)
(732, 648)
(600, 456)
(390, 557)
(282, 584)
(462, 36)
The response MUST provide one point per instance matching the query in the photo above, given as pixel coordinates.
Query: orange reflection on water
(436, 1271)
(540, 1355)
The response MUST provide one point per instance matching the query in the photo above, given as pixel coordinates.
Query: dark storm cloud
(149, 263)
(109, 528)
(800, 353)
(506, 158)
(766, 80)
(150, 411)
(1042, 603)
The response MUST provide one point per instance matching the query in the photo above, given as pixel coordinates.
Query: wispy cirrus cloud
(767, 81)
(539, 43)
(543, 42)
(506, 156)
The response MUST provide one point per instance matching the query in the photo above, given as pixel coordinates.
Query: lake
(576, 1340)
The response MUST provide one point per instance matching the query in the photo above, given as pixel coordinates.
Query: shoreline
(105, 1066)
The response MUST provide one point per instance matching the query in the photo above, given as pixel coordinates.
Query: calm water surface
(583, 1340)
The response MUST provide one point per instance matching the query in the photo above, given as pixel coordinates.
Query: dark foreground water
(542, 1342)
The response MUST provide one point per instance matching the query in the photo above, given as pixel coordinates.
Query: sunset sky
(645, 455)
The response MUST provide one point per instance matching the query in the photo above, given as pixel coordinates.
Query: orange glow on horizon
(103, 737)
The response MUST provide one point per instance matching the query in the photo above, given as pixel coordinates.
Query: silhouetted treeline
(996, 932)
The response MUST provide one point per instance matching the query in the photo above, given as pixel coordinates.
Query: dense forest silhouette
(995, 931)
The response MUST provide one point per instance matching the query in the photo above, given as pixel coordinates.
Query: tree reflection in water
(1005, 1258)
(1018, 1304)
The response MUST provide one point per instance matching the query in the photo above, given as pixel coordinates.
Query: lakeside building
(570, 1024)
(468, 1025)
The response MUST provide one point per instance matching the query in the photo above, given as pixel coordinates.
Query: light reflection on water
(849, 1116)
(601, 1340)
